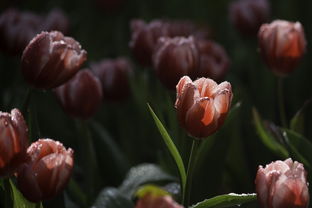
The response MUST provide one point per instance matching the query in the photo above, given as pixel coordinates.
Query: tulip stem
(189, 172)
(26, 101)
(281, 104)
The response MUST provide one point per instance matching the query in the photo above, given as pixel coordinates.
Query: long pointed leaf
(171, 147)
(226, 200)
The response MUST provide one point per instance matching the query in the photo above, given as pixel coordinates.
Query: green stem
(189, 172)
(281, 105)
(88, 158)
(26, 101)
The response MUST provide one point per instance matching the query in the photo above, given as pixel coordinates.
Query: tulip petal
(205, 87)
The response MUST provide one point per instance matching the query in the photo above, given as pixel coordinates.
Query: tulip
(154, 201)
(282, 184)
(144, 39)
(214, 61)
(282, 45)
(114, 77)
(50, 59)
(248, 15)
(13, 141)
(174, 58)
(202, 105)
(81, 96)
(47, 170)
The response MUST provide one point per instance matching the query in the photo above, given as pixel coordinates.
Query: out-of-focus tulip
(17, 29)
(214, 61)
(81, 96)
(13, 141)
(202, 105)
(144, 39)
(248, 15)
(174, 58)
(282, 184)
(154, 201)
(55, 20)
(282, 45)
(114, 76)
(50, 59)
(47, 170)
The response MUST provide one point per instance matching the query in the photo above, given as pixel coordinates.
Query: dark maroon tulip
(174, 58)
(214, 61)
(50, 59)
(248, 15)
(81, 96)
(17, 29)
(145, 37)
(55, 20)
(13, 141)
(282, 45)
(47, 170)
(282, 184)
(114, 76)
(202, 105)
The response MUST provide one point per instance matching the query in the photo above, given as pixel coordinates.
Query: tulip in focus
(282, 45)
(114, 77)
(154, 201)
(214, 61)
(248, 15)
(47, 171)
(175, 58)
(13, 141)
(50, 59)
(81, 96)
(202, 105)
(282, 184)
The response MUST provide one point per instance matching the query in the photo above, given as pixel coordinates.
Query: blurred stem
(88, 157)
(281, 104)
(190, 171)
(8, 196)
(26, 101)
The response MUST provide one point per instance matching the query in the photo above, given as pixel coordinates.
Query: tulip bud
(47, 170)
(13, 141)
(114, 77)
(144, 39)
(154, 201)
(16, 30)
(214, 61)
(282, 45)
(81, 96)
(174, 58)
(282, 184)
(202, 105)
(50, 59)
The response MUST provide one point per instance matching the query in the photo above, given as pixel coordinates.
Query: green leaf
(300, 147)
(151, 189)
(297, 122)
(112, 198)
(142, 174)
(226, 200)
(171, 147)
(19, 201)
(267, 138)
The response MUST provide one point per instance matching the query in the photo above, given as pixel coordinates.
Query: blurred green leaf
(142, 174)
(112, 198)
(297, 122)
(151, 189)
(267, 138)
(226, 200)
(19, 201)
(300, 147)
(75, 192)
(171, 147)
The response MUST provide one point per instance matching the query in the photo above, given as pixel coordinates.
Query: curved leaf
(226, 200)
(142, 174)
(267, 138)
(171, 147)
